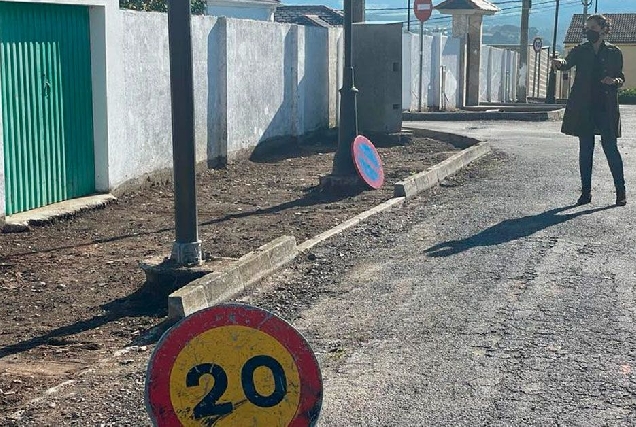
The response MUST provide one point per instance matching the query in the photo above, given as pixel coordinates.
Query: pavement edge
(219, 286)
(422, 181)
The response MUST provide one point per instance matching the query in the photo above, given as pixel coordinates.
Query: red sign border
(157, 390)
(360, 140)
(533, 45)
(430, 11)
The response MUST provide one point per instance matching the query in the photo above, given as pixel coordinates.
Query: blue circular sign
(368, 163)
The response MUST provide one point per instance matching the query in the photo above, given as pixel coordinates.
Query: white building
(259, 10)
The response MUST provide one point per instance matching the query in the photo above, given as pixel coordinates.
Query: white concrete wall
(335, 73)
(484, 74)
(447, 56)
(411, 60)
(260, 63)
(252, 81)
(450, 60)
(314, 78)
(145, 141)
(495, 66)
(497, 58)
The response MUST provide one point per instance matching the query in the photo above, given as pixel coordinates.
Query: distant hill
(502, 25)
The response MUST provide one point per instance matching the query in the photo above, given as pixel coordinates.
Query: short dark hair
(603, 21)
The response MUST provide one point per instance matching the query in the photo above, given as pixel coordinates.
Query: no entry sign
(423, 9)
(368, 163)
(233, 365)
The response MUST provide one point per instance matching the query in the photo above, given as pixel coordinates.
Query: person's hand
(557, 63)
(610, 81)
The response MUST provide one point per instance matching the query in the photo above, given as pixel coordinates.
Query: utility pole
(586, 4)
(186, 249)
(551, 95)
(522, 80)
(596, 7)
(358, 7)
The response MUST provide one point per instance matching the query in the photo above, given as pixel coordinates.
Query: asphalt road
(487, 301)
(491, 301)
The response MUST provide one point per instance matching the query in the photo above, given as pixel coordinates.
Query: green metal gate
(47, 107)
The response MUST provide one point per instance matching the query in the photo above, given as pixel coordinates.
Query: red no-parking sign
(423, 9)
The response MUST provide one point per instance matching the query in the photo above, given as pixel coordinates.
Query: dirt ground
(73, 293)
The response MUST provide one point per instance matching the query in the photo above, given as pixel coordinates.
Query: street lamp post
(186, 249)
(348, 127)
(551, 96)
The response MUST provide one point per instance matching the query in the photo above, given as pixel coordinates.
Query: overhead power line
(506, 11)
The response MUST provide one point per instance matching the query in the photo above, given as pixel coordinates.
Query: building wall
(411, 71)
(252, 81)
(145, 141)
(497, 74)
(450, 63)
(257, 13)
(104, 32)
(629, 65)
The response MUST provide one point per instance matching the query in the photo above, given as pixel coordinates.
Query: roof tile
(309, 15)
(623, 28)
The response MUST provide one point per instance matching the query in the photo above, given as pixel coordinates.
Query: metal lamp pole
(551, 96)
(187, 246)
(348, 129)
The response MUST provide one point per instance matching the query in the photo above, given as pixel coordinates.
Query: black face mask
(592, 36)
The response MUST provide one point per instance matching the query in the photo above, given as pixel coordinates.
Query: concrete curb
(420, 182)
(535, 116)
(22, 221)
(220, 286)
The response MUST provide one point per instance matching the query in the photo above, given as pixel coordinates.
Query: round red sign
(423, 9)
(368, 162)
(233, 365)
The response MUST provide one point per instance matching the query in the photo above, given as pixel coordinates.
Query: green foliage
(627, 96)
(198, 6)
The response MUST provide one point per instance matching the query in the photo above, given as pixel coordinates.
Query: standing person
(593, 105)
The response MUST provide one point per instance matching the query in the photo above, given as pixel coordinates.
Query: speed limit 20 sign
(233, 365)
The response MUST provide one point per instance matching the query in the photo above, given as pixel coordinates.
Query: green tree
(198, 6)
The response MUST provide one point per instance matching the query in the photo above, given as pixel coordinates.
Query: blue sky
(542, 14)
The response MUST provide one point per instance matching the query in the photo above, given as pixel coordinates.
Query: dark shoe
(584, 199)
(621, 198)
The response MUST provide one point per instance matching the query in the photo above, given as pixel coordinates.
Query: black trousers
(610, 147)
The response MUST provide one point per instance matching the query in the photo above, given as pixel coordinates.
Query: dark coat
(578, 113)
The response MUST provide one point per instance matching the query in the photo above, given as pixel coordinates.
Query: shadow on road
(509, 230)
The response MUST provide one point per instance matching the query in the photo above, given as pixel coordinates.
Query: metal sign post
(423, 10)
(537, 45)
(187, 246)
(551, 95)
